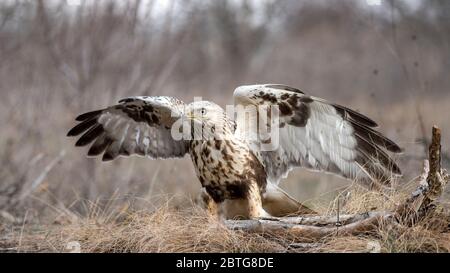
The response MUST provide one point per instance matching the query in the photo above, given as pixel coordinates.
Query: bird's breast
(226, 168)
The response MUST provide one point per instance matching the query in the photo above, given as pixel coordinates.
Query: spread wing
(137, 125)
(319, 135)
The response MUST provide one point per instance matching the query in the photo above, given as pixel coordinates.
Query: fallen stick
(311, 231)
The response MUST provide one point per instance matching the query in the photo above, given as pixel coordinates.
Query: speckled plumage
(236, 173)
(228, 169)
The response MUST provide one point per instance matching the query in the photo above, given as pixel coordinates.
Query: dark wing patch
(88, 115)
(100, 145)
(296, 107)
(142, 113)
(375, 137)
(90, 135)
(82, 127)
(347, 113)
(300, 116)
(377, 154)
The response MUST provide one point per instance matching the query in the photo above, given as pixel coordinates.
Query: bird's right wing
(137, 125)
(318, 135)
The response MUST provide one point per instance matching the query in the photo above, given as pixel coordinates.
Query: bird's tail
(278, 203)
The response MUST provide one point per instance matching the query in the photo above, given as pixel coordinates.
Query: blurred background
(387, 59)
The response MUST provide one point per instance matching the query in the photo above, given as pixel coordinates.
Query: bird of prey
(238, 173)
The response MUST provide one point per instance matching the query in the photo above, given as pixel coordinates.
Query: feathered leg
(209, 204)
(254, 203)
(247, 207)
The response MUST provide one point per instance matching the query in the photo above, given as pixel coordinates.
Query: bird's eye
(203, 111)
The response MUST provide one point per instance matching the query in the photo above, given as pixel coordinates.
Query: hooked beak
(192, 116)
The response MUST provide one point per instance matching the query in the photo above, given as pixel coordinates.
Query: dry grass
(164, 230)
(189, 229)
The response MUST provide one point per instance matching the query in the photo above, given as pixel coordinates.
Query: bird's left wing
(137, 125)
(318, 135)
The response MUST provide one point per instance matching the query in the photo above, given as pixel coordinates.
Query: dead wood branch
(312, 230)
(431, 185)
(421, 202)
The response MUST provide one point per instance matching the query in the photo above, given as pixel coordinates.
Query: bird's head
(208, 120)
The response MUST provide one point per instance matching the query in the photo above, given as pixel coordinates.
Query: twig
(42, 176)
(21, 231)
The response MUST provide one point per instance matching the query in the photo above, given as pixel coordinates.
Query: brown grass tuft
(164, 230)
(190, 229)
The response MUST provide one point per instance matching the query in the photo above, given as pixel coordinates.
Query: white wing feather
(319, 136)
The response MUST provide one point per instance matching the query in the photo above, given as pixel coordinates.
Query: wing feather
(137, 125)
(88, 115)
(90, 135)
(320, 136)
(82, 127)
(100, 145)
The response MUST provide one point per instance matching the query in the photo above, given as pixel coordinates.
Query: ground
(190, 229)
